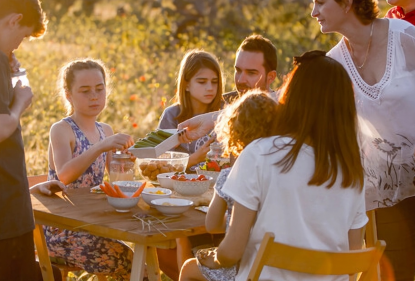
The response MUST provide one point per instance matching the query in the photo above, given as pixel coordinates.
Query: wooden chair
(64, 269)
(295, 259)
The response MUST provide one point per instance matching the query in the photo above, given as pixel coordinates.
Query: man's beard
(243, 88)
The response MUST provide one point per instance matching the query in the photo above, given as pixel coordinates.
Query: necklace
(367, 50)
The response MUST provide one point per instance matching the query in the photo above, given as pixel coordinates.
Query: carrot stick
(119, 192)
(138, 192)
(103, 188)
(110, 190)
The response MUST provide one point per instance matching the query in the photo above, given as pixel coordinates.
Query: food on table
(115, 191)
(215, 161)
(168, 204)
(154, 167)
(157, 192)
(152, 139)
(183, 177)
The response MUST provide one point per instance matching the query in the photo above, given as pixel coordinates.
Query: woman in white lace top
(379, 55)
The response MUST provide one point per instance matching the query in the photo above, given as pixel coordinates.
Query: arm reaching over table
(197, 126)
(49, 187)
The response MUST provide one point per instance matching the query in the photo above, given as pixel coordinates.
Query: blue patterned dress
(92, 253)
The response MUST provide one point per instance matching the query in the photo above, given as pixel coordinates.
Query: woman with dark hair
(379, 55)
(312, 157)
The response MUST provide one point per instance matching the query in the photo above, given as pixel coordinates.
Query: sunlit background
(142, 43)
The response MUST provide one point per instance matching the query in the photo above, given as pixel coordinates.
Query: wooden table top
(82, 210)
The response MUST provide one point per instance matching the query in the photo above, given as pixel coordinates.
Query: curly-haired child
(243, 121)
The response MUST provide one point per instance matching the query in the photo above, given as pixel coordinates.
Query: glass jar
(214, 158)
(20, 75)
(122, 168)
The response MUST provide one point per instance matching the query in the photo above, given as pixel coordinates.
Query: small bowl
(123, 205)
(172, 206)
(165, 180)
(192, 188)
(149, 194)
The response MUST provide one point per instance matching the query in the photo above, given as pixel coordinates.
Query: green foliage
(143, 53)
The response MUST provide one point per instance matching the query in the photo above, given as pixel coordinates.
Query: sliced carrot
(103, 188)
(119, 192)
(138, 192)
(110, 190)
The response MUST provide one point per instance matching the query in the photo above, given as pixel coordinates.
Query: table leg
(138, 266)
(153, 268)
(42, 252)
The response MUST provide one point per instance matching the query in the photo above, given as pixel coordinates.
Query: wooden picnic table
(82, 210)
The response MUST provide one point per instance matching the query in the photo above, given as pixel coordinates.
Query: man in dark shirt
(255, 66)
(19, 19)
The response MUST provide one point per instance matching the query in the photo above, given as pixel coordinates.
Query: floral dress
(224, 273)
(386, 118)
(92, 253)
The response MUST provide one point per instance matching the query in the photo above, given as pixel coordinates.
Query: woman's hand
(197, 127)
(49, 187)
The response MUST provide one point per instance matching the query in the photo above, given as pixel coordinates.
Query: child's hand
(49, 187)
(207, 257)
(200, 154)
(14, 63)
(132, 157)
(22, 95)
(118, 142)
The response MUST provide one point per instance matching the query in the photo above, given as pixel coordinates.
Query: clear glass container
(20, 75)
(122, 168)
(215, 161)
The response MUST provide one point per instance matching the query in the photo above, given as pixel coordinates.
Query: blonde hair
(67, 78)
(192, 62)
(248, 118)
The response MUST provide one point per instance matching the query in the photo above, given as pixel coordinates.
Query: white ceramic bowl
(165, 181)
(135, 184)
(150, 193)
(170, 161)
(124, 204)
(172, 206)
(212, 174)
(192, 188)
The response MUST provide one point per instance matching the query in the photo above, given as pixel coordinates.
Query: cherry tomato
(174, 177)
(201, 177)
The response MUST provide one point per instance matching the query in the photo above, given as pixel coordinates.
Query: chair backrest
(36, 179)
(296, 259)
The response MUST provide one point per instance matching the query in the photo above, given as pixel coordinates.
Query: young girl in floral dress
(80, 149)
(245, 120)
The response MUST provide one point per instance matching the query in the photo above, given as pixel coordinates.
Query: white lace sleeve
(408, 46)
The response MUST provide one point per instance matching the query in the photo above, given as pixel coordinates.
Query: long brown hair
(317, 107)
(191, 63)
